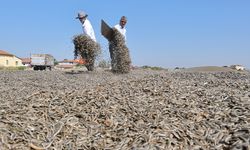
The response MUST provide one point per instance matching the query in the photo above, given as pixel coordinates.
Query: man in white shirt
(121, 26)
(86, 25)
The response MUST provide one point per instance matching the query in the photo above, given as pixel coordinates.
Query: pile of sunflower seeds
(119, 52)
(87, 49)
(143, 109)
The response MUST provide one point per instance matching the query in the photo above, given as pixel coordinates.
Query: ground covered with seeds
(144, 109)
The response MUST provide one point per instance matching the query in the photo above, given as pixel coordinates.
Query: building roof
(67, 61)
(4, 53)
(77, 61)
(26, 60)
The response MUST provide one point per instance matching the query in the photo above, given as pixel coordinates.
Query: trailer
(42, 61)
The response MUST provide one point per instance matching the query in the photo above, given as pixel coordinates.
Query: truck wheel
(42, 68)
(35, 68)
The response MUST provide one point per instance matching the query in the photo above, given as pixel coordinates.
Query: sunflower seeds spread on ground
(144, 109)
(119, 53)
(87, 49)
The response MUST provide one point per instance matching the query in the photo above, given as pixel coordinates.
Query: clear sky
(177, 33)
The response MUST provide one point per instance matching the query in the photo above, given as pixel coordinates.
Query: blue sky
(177, 33)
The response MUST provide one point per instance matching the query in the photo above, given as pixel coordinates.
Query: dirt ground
(144, 109)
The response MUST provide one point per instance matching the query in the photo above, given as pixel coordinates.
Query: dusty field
(144, 109)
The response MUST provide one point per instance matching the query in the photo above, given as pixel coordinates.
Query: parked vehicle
(42, 61)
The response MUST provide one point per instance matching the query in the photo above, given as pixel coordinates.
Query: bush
(13, 68)
(21, 68)
(152, 68)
